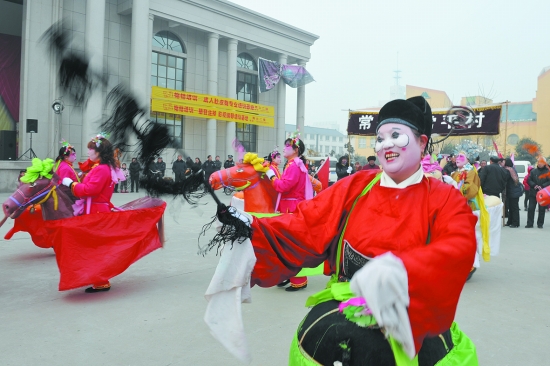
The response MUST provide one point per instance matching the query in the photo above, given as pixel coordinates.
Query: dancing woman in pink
(294, 186)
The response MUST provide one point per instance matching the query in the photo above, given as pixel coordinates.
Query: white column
(281, 106)
(149, 48)
(230, 129)
(301, 106)
(93, 41)
(212, 89)
(139, 52)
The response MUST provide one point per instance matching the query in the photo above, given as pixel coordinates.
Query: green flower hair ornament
(39, 168)
(66, 145)
(295, 136)
(97, 139)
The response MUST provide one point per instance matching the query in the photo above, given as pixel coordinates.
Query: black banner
(487, 122)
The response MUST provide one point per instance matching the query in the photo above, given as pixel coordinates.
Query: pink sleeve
(288, 181)
(65, 171)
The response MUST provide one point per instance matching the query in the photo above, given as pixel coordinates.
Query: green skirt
(463, 352)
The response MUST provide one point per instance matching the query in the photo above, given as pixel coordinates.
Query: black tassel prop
(128, 118)
(76, 79)
(192, 188)
(233, 230)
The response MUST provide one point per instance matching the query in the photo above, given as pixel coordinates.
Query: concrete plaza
(153, 314)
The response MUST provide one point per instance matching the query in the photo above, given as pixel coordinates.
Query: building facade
(199, 46)
(321, 141)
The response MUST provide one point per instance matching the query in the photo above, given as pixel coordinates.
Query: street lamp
(506, 126)
(57, 107)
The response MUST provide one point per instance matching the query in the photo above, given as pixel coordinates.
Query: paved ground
(153, 314)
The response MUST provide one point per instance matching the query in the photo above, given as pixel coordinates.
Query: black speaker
(7, 145)
(32, 126)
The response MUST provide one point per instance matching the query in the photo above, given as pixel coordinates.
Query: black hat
(230, 156)
(371, 158)
(414, 112)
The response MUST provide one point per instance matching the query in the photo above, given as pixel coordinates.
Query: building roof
(315, 130)
(518, 112)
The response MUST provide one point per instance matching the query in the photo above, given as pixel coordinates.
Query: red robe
(91, 249)
(386, 219)
(98, 185)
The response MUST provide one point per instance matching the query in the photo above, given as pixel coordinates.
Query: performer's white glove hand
(270, 173)
(235, 212)
(383, 282)
(67, 182)
(449, 180)
(349, 170)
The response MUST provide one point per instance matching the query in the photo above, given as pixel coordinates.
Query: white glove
(241, 215)
(67, 182)
(449, 180)
(349, 170)
(383, 283)
(270, 173)
(235, 212)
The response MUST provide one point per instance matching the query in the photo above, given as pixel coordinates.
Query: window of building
(372, 142)
(362, 142)
(168, 71)
(174, 123)
(169, 41)
(341, 150)
(247, 90)
(333, 138)
(513, 139)
(245, 61)
(327, 149)
(341, 139)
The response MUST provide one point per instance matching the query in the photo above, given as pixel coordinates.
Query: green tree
(447, 149)
(528, 149)
(361, 159)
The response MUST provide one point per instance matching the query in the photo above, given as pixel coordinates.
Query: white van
(522, 167)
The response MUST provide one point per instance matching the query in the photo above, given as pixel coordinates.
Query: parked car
(522, 167)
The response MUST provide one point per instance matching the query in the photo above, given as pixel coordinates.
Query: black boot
(283, 284)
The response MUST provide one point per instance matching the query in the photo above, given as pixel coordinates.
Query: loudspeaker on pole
(32, 126)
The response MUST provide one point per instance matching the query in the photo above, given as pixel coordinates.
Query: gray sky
(471, 47)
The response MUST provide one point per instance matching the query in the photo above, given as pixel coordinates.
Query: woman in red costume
(395, 287)
(97, 187)
(294, 186)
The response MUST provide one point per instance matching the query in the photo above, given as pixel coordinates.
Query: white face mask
(398, 151)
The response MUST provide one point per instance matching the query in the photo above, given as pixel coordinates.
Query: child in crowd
(124, 183)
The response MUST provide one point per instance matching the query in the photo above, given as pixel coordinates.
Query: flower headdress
(97, 139)
(275, 152)
(295, 137)
(68, 147)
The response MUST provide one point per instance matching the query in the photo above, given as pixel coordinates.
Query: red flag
(496, 149)
(323, 172)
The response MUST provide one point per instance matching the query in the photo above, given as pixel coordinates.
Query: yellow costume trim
(243, 187)
(52, 193)
(484, 225)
